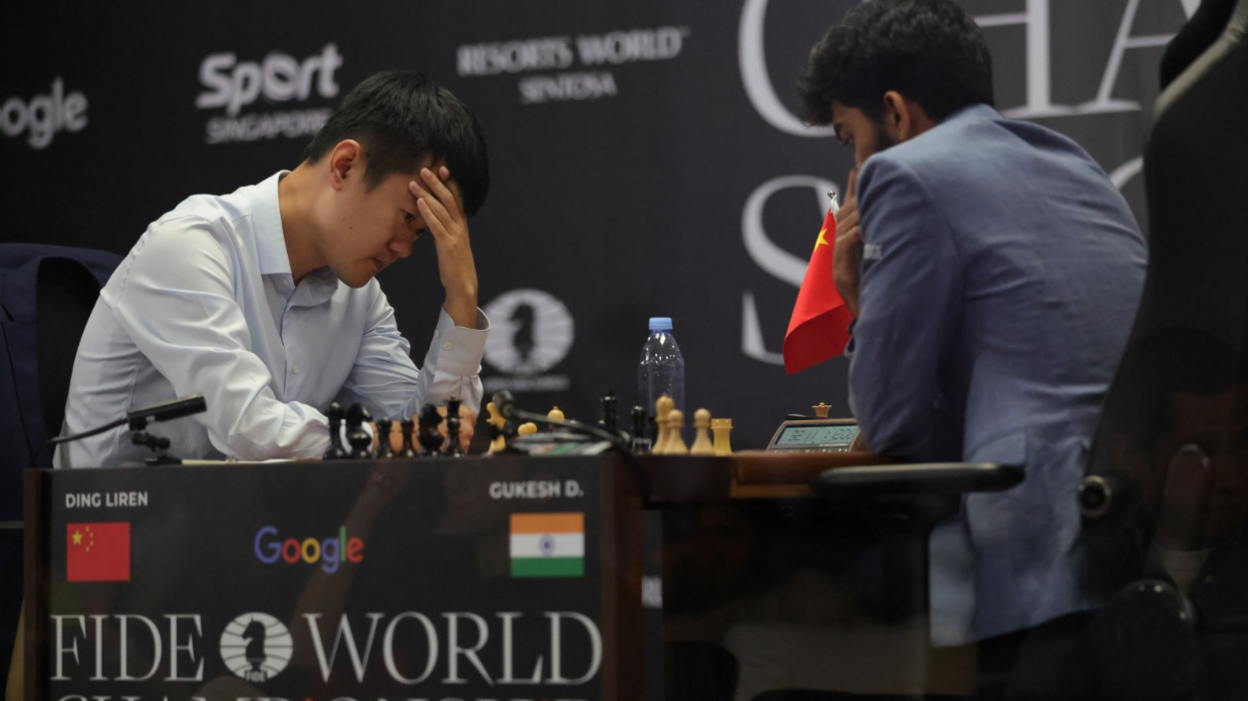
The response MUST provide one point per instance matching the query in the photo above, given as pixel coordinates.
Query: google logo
(330, 552)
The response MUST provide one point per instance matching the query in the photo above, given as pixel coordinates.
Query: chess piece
(610, 420)
(702, 442)
(721, 428)
(641, 431)
(821, 410)
(408, 450)
(675, 441)
(527, 429)
(662, 407)
(336, 451)
(357, 435)
(385, 449)
(555, 414)
(428, 437)
(453, 448)
(496, 422)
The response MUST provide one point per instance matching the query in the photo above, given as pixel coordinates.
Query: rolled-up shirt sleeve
(385, 379)
(176, 302)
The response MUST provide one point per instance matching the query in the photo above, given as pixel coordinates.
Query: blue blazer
(1001, 274)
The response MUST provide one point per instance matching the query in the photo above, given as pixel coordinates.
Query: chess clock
(816, 435)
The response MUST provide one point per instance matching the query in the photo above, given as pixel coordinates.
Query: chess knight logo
(256, 647)
(531, 332)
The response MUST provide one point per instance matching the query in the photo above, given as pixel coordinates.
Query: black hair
(400, 117)
(931, 51)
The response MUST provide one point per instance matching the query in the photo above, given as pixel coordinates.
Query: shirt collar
(266, 217)
(315, 287)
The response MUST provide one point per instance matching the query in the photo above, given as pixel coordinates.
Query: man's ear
(904, 118)
(346, 161)
(896, 120)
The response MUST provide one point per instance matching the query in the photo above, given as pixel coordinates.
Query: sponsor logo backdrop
(647, 158)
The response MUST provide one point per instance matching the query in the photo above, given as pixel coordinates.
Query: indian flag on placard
(548, 545)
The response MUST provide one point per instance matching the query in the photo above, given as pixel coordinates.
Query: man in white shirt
(265, 302)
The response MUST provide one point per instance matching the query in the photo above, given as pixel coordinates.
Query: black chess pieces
(429, 438)
(408, 450)
(336, 451)
(453, 448)
(384, 449)
(357, 436)
(610, 419)
(641, 431)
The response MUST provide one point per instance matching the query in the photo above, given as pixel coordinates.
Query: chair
(46, 296)
(1166, 498)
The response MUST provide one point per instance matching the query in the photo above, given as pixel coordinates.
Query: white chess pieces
(497, 421)
(662, 407)
(526, 429)
(555, 414)
(702, 441)
(675, 441)
(821, 410)
(721, 428)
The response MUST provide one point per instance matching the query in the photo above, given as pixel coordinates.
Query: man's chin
(355, 278)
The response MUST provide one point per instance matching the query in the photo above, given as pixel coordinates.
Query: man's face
(373, 228)
(854, 128)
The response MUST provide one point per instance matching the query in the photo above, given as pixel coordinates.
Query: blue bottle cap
(660, 323)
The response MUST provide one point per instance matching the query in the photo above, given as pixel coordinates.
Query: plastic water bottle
(662, 368)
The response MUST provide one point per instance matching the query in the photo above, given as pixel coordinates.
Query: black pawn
(336, 451)
(610, 418)
(429, 438)
(384, 449)
(408, 451)
(641, 431)
(453, 448)
(361, 442)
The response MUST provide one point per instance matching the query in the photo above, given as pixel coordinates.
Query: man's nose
(402, 245)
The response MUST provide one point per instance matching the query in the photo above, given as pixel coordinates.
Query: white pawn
(675, 441)
(702, 441)
(555, 414)
(662, 407)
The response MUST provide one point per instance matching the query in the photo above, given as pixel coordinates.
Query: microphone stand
(506, 405)
(138, 420)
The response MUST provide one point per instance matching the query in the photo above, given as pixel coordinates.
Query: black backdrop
(646, 157)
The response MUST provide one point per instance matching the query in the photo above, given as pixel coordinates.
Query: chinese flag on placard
(819, 327)
(97, 552)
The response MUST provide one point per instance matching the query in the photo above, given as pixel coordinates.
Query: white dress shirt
(205, 303)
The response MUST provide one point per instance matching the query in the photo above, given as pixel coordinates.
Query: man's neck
(298, 228)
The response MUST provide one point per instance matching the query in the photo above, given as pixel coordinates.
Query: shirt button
(436, 333)
(295, 368)
(448, 345)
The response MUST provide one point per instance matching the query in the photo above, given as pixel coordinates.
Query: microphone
(506, 405)
(137, 420)
(166, 411)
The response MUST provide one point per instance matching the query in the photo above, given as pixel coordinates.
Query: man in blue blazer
(994, 272)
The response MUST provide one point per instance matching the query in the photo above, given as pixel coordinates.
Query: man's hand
(847, 255)
(437, 198)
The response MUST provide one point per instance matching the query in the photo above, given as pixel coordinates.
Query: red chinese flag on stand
(819, 327)
(97, 552)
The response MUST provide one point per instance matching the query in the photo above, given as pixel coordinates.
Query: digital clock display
(817, 436)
